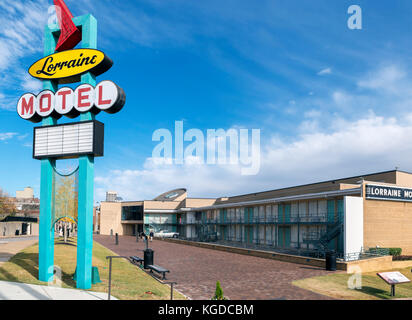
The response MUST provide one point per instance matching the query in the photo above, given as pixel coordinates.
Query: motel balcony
(274, 220)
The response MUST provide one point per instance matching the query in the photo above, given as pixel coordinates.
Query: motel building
(350, 216)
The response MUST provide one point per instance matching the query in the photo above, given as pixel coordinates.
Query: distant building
(25, 220)
(26, 204)
(111, 196)
(96, 219)
(27, 193)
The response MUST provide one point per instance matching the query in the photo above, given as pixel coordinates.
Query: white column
(353, 225)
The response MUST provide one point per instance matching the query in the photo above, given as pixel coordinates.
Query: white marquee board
(69, 140)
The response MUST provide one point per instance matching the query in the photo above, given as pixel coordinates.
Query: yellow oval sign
(70, 64)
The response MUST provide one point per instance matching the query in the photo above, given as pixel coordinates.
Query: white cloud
(312, 114)
(391, 79)
(342, 99)
(7, 136)
(325, 71)
(23, 136)
(22, 30)
(30, 84)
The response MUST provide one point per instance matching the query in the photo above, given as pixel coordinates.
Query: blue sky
(329, 101)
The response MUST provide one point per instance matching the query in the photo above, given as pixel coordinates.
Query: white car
(166, 234)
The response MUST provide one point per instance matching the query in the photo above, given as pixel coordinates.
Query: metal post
(110, 277)
(110, 272)
(392, 290)
(171, 291)
(117, 239)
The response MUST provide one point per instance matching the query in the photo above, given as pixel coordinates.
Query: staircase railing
(322, 239)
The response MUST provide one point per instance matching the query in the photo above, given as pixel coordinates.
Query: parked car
(166, 234)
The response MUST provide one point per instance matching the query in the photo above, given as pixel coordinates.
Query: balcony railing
(291, 219)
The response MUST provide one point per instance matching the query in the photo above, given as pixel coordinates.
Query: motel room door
(284, 237)
(248, 235)
(284, 213)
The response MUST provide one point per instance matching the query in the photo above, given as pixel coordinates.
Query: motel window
(261, 213)
(313, 208)
(303, 208)
(268, 213)
(295, 209)
(255, 213)
(275, 212)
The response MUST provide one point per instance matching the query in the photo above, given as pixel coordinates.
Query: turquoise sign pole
(46, 239)
(88, 25)
(86, 175)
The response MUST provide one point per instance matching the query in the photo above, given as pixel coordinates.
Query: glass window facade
(132, 213)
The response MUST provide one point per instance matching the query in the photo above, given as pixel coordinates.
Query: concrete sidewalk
(10, 246)
(23, 291)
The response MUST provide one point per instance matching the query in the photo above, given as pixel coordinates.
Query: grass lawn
(128, 281)
(373, 288)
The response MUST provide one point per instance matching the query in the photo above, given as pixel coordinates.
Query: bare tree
(7, 206)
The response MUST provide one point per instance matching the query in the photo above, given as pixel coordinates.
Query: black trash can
(330, 258)
(147, 258)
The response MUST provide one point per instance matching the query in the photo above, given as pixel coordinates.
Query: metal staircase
(332, 232)
(322, 240)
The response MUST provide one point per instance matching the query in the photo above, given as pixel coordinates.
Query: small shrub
(218, 293)
(395, 251)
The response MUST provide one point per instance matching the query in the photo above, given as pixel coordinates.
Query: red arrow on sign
(70, 35)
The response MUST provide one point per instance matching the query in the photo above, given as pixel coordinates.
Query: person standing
(151, 235)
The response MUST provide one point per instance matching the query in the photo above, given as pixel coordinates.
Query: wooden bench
(158, 269)
(136, 260)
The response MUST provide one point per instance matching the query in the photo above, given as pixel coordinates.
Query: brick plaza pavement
(196, 271)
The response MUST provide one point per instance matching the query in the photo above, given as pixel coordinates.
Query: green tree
(65, 199)
(219, 292)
